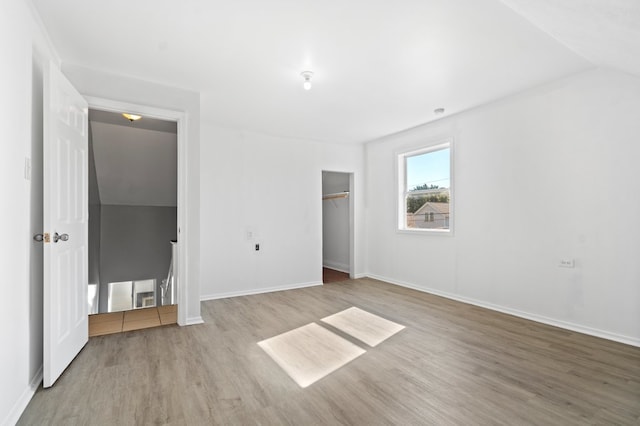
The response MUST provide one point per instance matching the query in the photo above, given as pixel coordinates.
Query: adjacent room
(132, 221)
(337, 223)
(411, 212)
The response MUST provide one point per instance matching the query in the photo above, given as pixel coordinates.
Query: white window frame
(401, 207)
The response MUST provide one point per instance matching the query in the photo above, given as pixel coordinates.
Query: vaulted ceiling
(380, 66)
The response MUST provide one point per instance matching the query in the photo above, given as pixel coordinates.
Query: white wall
(24, 48)
(103, 85)
(23, 51)
(93, 250)
(135, 245)
(335, 222)
(540, 176)
(271, 187)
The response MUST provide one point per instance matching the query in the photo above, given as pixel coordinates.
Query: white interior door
(65, 224)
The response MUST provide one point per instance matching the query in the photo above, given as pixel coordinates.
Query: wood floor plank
(102, 324)
(168, 314)
(102, 328)
(106, 317)
(141, 318)
(452, 364)
(333, 276)
(165, 309)
(140, 314)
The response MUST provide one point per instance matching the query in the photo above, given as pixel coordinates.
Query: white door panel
(65, 213)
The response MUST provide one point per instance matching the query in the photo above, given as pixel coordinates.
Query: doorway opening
(133, 222)
(337, 226)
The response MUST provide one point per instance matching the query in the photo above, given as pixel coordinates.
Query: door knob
(57, 237)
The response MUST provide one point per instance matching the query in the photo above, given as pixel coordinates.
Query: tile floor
(118, 322)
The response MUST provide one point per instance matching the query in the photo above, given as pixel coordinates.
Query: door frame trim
(180, 117)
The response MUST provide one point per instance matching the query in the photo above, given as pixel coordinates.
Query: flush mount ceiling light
(307, 79)
(438, 111)
(131, 117)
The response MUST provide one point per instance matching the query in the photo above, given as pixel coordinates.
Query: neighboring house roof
(442, 208)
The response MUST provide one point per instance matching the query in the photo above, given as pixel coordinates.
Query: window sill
(435, 232)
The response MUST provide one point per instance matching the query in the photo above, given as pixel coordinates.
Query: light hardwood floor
(118, 322)
(453, 364)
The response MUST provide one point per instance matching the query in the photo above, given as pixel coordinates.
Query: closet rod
(335, 195)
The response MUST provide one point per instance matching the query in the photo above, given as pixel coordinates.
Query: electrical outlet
(567, 263)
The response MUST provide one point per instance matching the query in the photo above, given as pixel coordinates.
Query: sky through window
(431, 168)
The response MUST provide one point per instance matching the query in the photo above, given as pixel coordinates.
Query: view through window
(425, 179)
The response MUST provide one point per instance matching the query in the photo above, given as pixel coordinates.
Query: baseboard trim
(22, 402)
(517, 313)
(336, 266)
(194, 320)
(257, 291)
(357, 276)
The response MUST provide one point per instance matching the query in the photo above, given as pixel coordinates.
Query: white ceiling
(135, 166)
(380, 66)
(144, 123)
(606, 32)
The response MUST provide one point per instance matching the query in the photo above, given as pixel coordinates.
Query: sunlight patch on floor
(364, 326)
(310, 352)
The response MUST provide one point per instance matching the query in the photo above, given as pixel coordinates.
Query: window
(425, 190)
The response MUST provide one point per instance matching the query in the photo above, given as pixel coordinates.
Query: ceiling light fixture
(438, 111)
(131, 117)
(307, 79)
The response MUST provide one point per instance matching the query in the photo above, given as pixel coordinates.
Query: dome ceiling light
(131, 117)
(307, 79)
